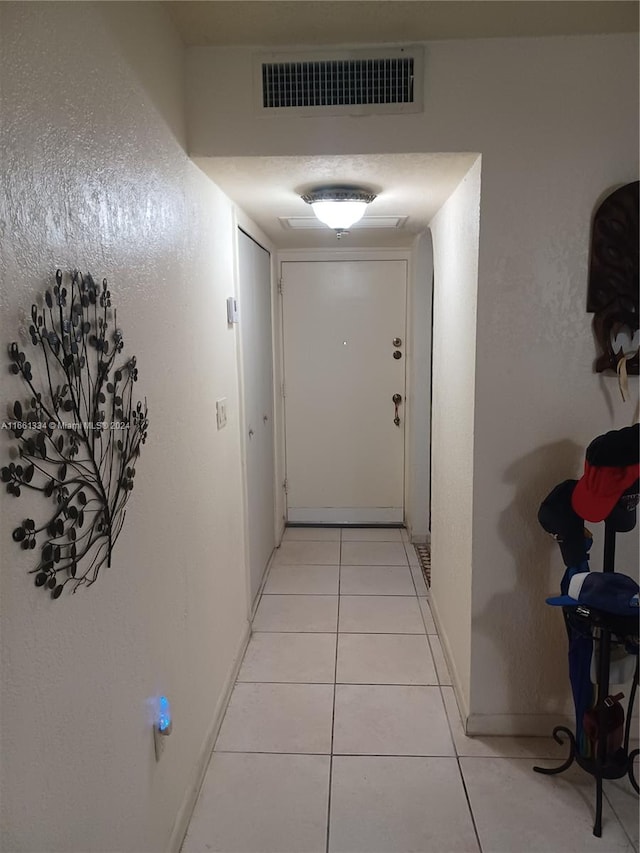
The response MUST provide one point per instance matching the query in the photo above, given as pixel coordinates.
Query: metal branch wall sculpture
(78, 435)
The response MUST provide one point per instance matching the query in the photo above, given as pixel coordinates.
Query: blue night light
(164, 715)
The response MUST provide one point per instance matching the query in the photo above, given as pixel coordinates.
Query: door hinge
(283, 390)
(285, 486)
(280, 286)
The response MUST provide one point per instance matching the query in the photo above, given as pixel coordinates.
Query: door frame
(242, 222)
(377, 299)
(417, 384)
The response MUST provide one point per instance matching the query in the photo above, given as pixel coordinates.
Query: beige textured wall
(455, 231)
(95, 176)
(556, 123)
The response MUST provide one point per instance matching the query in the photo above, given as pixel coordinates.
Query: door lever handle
(397, 399)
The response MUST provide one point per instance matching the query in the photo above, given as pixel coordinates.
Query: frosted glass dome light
(339, 207)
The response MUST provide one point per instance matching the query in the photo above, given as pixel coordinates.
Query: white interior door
(254, 266)
(344, 453)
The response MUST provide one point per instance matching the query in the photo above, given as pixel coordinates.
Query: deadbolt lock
(397, 342)
(397, 354)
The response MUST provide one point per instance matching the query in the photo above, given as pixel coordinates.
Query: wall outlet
(221, 412)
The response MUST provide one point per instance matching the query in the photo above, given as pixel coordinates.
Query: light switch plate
(221, 412)
(232, 310)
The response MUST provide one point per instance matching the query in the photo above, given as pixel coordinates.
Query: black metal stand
(604, 765)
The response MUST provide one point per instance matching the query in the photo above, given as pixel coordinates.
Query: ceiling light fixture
(339, 207)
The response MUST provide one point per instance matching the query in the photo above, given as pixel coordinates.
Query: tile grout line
(617, 817)
(353, 594)
(347, 754)
(453, 741)
(353, 683)
(434, 660)
(377, 633)
(466, 794)
(333, 712)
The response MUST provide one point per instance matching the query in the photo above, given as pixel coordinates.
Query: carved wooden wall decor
(613, 276)
(78, 432)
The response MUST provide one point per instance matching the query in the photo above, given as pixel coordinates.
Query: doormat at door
(424, 555)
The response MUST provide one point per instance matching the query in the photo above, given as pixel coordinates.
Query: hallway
(343, 734)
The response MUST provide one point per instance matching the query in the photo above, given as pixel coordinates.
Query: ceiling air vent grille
(369, 82)
(335, 82)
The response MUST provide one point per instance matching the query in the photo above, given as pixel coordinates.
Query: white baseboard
(181, 823)
(505, 725)
(456, 683)
(478, 725)
(345, 515)
(516, 725)
(419, 538)
(263, 581)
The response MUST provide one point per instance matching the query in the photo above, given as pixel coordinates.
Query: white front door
(344, 452)
(254, 265)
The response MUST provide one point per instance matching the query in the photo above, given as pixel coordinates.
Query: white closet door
(257, 372)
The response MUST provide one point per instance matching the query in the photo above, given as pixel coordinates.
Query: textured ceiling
(411, 185)
(327, 22)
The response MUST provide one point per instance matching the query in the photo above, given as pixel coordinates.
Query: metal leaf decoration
(78, 436)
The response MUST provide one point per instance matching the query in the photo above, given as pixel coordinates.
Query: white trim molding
(185, 813)
(346, 515)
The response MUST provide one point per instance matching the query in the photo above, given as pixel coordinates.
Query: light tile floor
(343, 734)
